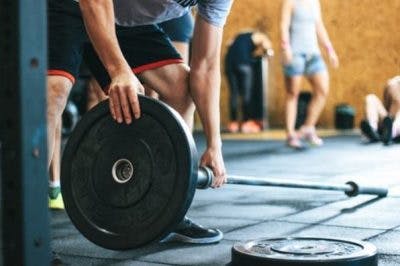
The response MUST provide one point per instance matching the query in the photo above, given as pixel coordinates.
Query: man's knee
(58, 89)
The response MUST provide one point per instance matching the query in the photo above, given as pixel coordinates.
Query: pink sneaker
(310, 135)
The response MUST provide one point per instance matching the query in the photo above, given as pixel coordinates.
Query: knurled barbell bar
(351, 189)
(125, 186)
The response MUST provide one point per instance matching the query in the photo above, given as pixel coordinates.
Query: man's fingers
(116, 105)
(111, 104)
(134, 103)
(219, 177)
(213, 161)
(125, 106)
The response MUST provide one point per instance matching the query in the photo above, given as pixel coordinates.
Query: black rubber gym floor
(246, 212)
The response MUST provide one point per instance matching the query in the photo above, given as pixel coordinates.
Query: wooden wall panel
(365, 33)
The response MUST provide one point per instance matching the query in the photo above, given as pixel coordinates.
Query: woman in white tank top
(301, 30)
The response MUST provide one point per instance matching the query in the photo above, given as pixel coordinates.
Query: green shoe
(55, 199)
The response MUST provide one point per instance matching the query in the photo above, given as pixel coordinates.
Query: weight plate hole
(122, 171)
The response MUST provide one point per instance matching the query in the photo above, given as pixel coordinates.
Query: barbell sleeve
(351, 189)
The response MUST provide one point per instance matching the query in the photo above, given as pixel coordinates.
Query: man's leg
(183, 50)
(56, 201)
(58, 88)
(54, 170)
(66, 35)
(94, 93)
(171, 82)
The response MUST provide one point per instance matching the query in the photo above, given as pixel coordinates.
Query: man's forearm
(98, 16)
(205, 89)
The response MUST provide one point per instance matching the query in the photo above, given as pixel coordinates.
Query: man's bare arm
(98, 16)
(205, 81)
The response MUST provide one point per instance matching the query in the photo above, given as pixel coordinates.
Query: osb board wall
(365, 34)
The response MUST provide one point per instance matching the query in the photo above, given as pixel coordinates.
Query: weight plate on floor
(302, 251)
(127, 185)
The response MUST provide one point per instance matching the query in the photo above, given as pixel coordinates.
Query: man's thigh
(66, 38)
(145, 48)
(169, 81)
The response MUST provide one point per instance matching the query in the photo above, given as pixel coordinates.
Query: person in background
(239, 69)
(302, 29)
(382, 121)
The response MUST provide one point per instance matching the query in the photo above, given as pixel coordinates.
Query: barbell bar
(205, 179)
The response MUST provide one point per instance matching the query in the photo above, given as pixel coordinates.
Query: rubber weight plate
(304, 251)
(127, 185)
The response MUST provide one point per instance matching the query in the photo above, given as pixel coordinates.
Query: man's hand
(99, 20)
(212, 158)
(124, 101)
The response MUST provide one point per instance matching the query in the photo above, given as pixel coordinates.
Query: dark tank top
(240, 51)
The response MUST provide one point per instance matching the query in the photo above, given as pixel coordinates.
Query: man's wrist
(117, 69)
(215, 143)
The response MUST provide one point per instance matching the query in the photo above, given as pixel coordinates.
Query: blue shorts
(304, 64)
(179, 29)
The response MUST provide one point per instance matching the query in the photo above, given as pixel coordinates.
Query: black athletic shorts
(144, 47)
